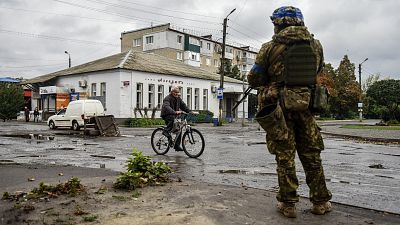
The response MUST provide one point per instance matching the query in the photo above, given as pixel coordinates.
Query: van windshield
(61, 112)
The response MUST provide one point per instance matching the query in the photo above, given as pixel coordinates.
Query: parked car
(76, 114)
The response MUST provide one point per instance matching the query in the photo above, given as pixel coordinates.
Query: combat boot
(287, 209)
(321, 208)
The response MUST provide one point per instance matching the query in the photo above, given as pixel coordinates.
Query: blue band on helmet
(258, 69)
(286, 11)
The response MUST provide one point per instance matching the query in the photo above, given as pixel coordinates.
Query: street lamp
(221, 84)
(360, 104)
(69, 59)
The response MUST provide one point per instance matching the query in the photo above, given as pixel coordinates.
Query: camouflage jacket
(269, 62)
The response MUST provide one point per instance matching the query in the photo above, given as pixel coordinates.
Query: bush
(141, 172)
(204, 116)
(144, 122)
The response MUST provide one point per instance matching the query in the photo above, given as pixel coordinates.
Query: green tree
(386, 94)
(348, 91)
(11, 100)
(371, 109)
(230, 71)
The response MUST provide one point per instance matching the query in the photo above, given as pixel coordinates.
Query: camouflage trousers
(305, 138)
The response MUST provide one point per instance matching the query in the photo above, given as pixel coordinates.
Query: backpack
(300, 63)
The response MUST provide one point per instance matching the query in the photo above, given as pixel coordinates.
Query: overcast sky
(35, 33)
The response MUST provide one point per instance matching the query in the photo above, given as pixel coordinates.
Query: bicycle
(191, 139)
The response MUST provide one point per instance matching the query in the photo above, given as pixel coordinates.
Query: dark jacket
(171, 105)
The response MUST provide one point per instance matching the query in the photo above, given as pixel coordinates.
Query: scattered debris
(72, 187)
(103, 156)
(79, 211)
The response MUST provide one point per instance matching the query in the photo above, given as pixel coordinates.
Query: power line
(16, 67)
(188, 13)
(55, 38)
(243, 27)
(240, 10)
(121, 15)
(68, 15)
(246, 35)
(145, 11)
(33, 59)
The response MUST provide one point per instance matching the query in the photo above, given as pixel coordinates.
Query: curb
(369, 139)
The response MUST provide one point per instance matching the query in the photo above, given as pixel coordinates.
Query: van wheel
(75, 126)
(52, 125)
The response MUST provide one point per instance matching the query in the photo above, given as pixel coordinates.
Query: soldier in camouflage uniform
(293, 127)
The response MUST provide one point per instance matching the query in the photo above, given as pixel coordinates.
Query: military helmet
(287, 15)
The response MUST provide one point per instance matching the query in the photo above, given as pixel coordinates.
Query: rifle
(247, 92)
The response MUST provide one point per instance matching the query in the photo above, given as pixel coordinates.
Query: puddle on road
(31, 136)
(62, 148)
(345, 153)
(256, 143)
(8, 162)
(246, 172)
(384, 176)
(30, 156)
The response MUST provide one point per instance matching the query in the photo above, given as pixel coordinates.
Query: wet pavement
(358, 173)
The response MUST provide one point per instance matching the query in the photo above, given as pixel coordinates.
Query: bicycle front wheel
(159, 142)
(193, 143)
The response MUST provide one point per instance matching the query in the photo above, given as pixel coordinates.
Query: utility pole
(221, 84)
(360, 103)
(69, 59)
(244, 89)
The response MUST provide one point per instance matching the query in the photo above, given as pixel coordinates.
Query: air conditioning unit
(82, 83)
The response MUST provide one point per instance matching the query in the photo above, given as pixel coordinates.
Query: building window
(160, 96)
(194, 57)
(179, 55)
(208, 61)
(137, 42)
(208, 46)
(103, 89)
(194, 41)
(139, 95)
(189, 98)
(201, 44)
(196, 99)
(205, 99)
(94, 89)
(179, 39)
(151, 96)
(149, 40)
(216, 62)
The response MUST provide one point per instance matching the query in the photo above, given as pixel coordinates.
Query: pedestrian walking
(36, 115)
(285, 69)
(26, 112)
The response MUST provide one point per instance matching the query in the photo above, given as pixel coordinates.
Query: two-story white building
(131, 83)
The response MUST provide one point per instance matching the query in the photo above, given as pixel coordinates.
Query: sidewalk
(334, 128)
(186, 202)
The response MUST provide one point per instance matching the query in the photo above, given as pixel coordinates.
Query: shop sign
(48, 90)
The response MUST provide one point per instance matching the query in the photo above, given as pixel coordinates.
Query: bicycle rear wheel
(159, 142)
(193, 143)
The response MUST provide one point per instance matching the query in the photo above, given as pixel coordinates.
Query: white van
(76, 114)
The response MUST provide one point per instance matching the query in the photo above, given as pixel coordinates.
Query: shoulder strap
(275, 52)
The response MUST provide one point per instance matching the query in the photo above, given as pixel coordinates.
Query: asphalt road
(233, 156)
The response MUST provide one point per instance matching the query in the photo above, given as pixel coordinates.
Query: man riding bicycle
(171, 108)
